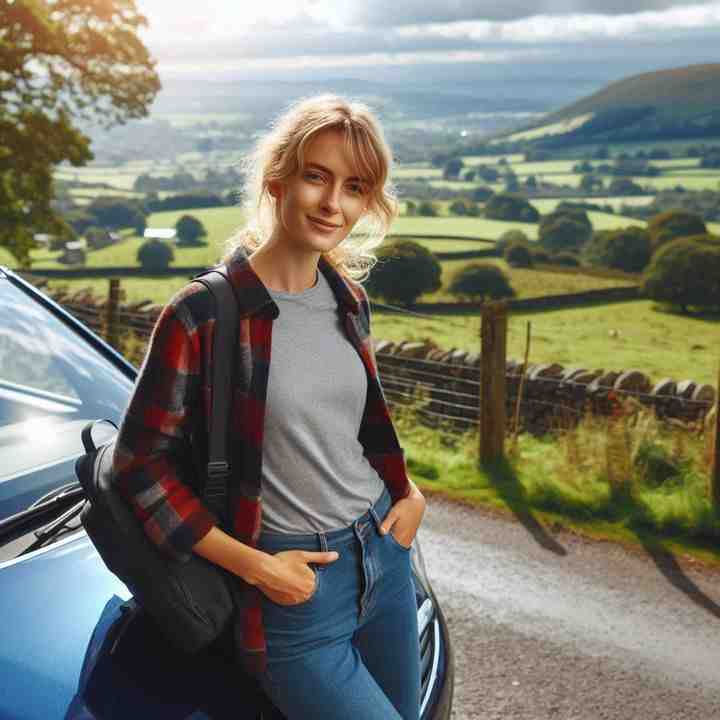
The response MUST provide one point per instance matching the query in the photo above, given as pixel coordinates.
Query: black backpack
(191, 602)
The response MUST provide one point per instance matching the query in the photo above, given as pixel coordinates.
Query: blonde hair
(278, 155)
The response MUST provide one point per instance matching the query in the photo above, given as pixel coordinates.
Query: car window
(51, 383)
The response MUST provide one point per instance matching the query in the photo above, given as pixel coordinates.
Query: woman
(323, 512)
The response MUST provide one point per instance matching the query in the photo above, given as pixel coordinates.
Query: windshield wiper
(21, 522)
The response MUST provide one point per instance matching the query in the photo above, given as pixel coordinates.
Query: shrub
(684, 272)
(509, 206)
(155, 254)
(626, 249)
(427, 209)
(190, 230)
(565, 229)
(478, 281)
(672, 224)
(565, 258)
(518, 255)
(511, 237)
(404, 271)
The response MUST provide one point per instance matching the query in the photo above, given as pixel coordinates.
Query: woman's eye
(312, 175)
(357, 188)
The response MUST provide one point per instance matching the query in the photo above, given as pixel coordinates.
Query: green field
(660, 343)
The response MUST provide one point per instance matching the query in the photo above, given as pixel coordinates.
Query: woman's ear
(274, 188)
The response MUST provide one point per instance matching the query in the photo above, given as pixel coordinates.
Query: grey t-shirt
(314, 474)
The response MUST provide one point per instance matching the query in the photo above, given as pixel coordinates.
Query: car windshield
(51, 383)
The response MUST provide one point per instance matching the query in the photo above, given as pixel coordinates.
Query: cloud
(374, 13)
(315, 33)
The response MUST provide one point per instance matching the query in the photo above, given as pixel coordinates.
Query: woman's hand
(404, 517)
(287, 578)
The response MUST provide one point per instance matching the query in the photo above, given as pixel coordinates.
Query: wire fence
(444, 387)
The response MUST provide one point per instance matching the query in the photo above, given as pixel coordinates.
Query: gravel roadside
(552, 625)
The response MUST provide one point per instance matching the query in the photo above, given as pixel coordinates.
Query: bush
(624, 186)
(625, 249)
(684, 272)
(404, 271)
(565, 258)
(478, 281)
(190, 231)
(565, 229)
(511, 237)
(155, 254)
(508, 206)
(481, 194)
(539, 255)
(518, 255)
(112, 212)
(673, 224)
(427, 209)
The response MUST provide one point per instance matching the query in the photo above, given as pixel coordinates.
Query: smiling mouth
(324, 224)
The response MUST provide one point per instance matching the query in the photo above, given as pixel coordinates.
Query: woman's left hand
(404, 517)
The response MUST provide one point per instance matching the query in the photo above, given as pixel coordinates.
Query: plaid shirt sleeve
(148, 462)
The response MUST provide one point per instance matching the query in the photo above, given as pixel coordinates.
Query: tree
(410, 207)
(508, 206)
(452, 168)
(487, 173)
(155, 254)
(685, 272)
(404, 271)
(676, 223)
(117, 212)
(478, 281)
(427, 209)
(566, 228)
(565, 258)
(624, 186)
(518, 255)
(61, 62)
(625, 249)
(189, 230)
(511, 237)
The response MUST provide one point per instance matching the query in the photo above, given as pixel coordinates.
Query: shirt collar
(252, 295)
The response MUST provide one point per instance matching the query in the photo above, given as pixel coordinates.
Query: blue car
(73, 642)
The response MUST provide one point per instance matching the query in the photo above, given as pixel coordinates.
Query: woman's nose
(331, 199)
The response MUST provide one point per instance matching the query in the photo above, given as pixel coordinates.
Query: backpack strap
(223, 361)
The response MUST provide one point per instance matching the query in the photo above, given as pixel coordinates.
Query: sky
(227, 35)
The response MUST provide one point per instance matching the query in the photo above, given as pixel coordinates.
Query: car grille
(429, 633)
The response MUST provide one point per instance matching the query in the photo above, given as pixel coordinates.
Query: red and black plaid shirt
(173, 385)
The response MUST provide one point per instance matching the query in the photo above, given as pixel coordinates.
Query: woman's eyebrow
(330, 172)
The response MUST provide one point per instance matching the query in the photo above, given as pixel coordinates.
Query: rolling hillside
(663, 105)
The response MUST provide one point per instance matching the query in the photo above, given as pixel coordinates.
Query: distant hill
(663, 105)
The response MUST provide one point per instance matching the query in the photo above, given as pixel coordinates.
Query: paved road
(549, 625)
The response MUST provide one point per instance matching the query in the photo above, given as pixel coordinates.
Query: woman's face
(326, 189)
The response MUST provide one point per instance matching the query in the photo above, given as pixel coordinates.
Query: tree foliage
(685, 272)
(565, 228)
(507, 206)
(478, 281)
(404, 271)
(61, 61)
(190, 230)
(673, 224)
(625, 249)
(155, 254)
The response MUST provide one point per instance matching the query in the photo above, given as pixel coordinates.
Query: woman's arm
(150, 466)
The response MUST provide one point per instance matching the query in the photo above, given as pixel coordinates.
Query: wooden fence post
(715, 467)
(112, 328)
(493, 340)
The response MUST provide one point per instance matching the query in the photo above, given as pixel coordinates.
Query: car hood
(67, 652)
(52, 602)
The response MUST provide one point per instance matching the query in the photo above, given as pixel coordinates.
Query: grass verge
(628, 480)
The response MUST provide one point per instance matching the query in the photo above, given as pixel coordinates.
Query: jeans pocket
(396, 543)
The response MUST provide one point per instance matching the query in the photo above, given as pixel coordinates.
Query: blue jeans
(351, 650)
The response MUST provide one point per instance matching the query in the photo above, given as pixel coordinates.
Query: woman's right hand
(287, 577)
